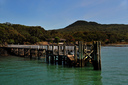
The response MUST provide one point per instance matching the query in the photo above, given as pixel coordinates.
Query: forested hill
(16, 33)
(90, 31)
(93, 26)
(79, 30)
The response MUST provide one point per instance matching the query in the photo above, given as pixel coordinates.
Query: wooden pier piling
(75, 54)
(27, 52)
(81, 56)
(47, 54)
(97, 55)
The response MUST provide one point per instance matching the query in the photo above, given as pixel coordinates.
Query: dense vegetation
(15, 33)
(92, 31)
(80, 30)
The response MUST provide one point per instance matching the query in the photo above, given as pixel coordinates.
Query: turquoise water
(22, 71)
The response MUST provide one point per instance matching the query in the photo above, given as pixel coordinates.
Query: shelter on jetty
(75, 55)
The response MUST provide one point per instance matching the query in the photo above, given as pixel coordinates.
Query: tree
(11, 41)
(57, 39)
(69, 38)
(3, 35)
(34, 39)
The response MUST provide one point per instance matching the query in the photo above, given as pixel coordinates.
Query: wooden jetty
(78, 55)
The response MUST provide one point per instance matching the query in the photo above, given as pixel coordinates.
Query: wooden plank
(71, 57)
(75, 53)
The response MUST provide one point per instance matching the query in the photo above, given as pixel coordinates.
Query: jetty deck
(75, 55)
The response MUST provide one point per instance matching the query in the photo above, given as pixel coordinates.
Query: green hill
(93, 26)
(90, 31)
(77, 31)
(16, 33)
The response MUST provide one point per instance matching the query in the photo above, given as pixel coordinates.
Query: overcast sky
(55, 14)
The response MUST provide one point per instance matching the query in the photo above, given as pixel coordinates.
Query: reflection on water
(21, 71)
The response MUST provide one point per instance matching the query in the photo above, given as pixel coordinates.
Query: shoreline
(117, 45)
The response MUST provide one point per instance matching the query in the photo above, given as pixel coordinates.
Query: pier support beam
(59, 56)
(97, 55)
(52, 55)
(81, 61)
(47, 54)
(64, 55)
(75, 54)
(26, 52)
(33, 53)
(21, 52)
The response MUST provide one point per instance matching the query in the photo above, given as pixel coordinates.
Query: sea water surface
(23, 71)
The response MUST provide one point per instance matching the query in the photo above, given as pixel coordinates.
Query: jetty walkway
(76, 55)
